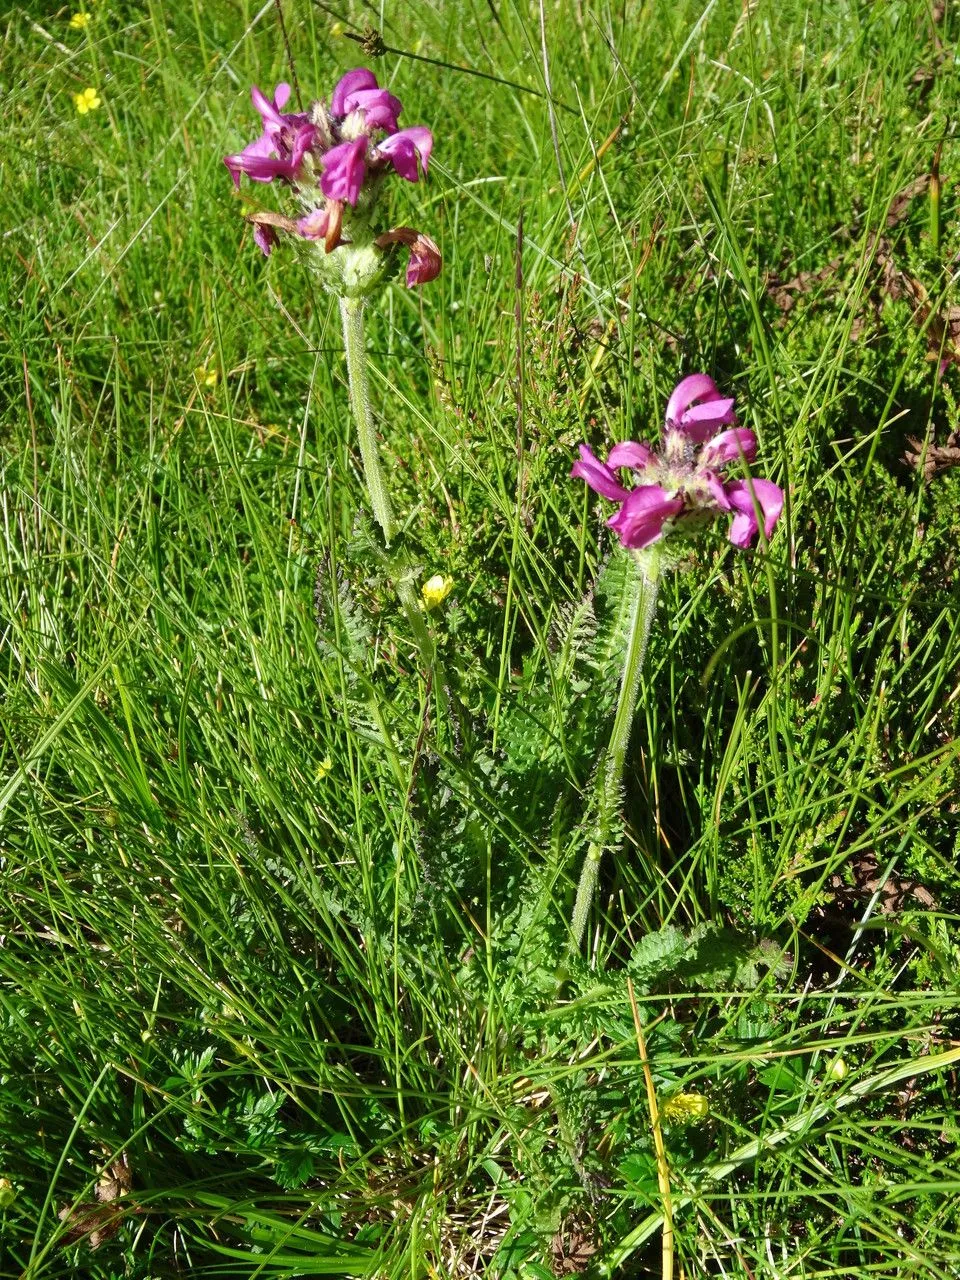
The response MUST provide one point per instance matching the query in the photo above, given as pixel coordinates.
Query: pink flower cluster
(684, 483)
(342, 150)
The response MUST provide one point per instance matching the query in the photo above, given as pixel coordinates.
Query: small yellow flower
(206, 377)
(685, 1108)
(435, 590)
(80, 20)
(86, 101)
(838, 1070)
(324, 768)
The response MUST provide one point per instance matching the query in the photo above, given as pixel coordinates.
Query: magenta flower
(344, 170)
(345, 167)
(279, 151)
(683, 484)
(747, 498)
(264, 238)
(643, 514)
(360, 78)
(358, 91)
(408, 151)
(315, 225)
(697, 408)
(425, 260)
(331, 157)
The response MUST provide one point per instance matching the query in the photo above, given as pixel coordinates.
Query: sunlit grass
(272, 927)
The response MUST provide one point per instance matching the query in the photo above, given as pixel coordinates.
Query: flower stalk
(333, 160)
(642, 610)
(684, 486)
(354, 342)
(355, 346)
(677, 490)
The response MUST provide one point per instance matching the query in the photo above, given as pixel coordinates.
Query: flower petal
(344, 170)
(425, 262)
(277, 153)
(259, 149)
(353, 82)
(380, 109)
(300, 143)
(262, 146)
(404, 148)
(747, 497)
(334, 224)
(598, 476)
(260, 168)
(698, 386)
(700, 421)
(271, 111)
(630, 454)
(645, 512)
(265, 238)
(313, 226)
(728, 446)
(717, 492)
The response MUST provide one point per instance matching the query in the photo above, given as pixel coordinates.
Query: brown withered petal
(397, 235)
(932, 458)
(267, 218)
(93, 1223)
(115, 1180)
(426, 260)
(334, 222)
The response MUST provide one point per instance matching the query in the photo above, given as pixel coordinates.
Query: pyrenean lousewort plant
(334, 159)
(678, 490)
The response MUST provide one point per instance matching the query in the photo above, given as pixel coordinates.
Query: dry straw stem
(800, 1124)
(663, 1168)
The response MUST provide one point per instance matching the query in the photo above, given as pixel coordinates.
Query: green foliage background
(325, 1012)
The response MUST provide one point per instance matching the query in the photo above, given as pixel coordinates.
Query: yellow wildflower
(80, 20)
(324, 768)
(86, 101)
(435, 590)
(838, 1070)
(206, 377)
(685, 1108)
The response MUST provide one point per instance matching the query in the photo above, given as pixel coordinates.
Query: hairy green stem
(642, 610)
(413, 610)
(354, 341)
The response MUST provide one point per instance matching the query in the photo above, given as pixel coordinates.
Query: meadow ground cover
(301, 971)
